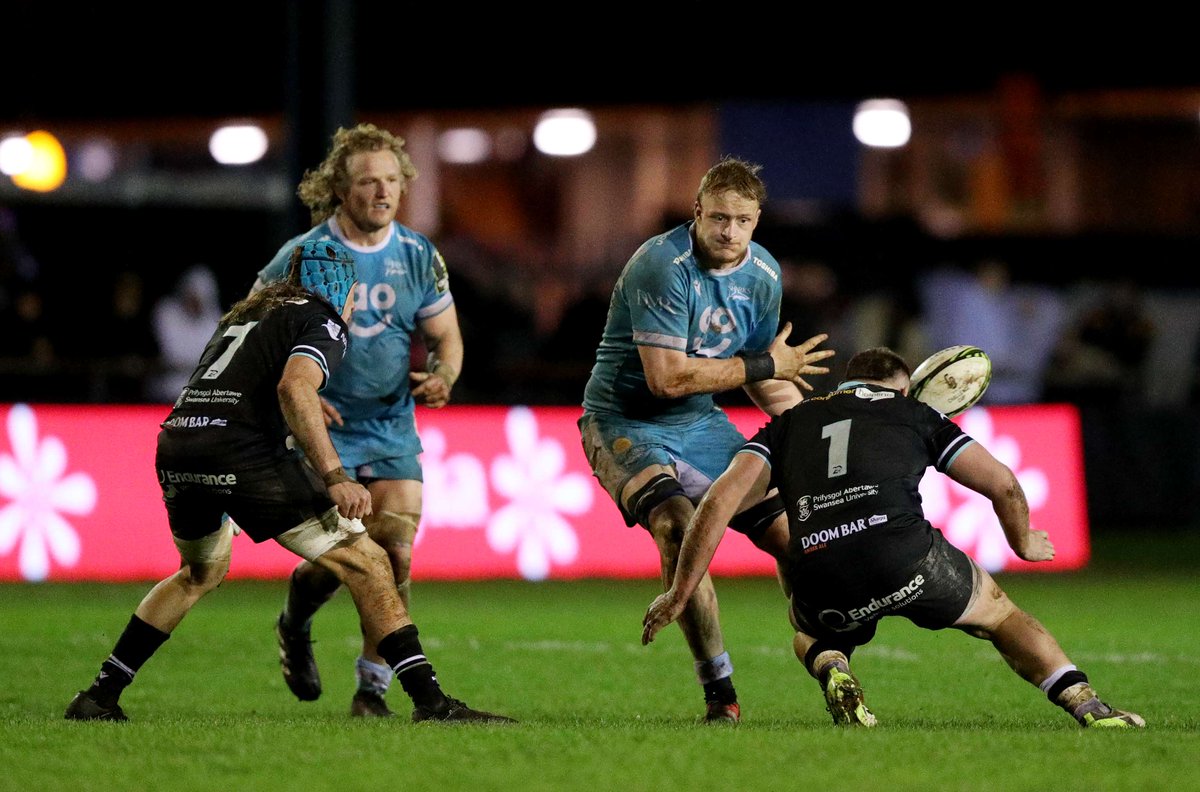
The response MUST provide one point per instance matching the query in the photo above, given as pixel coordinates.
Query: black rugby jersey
(229, 409)
(848, 465)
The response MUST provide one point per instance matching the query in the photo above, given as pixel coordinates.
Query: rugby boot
(844, 700)
(1082, 702)
(457, 711)
(366, 704)
(717, 712)
(297, 661)
(84, 707)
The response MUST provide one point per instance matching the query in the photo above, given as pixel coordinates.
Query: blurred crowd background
(1052, 220)
(130, 330)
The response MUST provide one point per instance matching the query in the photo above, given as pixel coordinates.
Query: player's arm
(301, 406)
(443, 339)
(744, 483)
(774, 396)
(671, 374)
(976, 468)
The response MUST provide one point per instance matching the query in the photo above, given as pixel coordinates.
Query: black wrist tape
(759, 367)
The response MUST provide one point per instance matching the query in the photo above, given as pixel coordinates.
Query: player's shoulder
(318, 232)
(660, 256)
(300, 309)
(763, 265)
(411, 240)
(306, 317)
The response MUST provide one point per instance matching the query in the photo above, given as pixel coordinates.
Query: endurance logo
(854, 618)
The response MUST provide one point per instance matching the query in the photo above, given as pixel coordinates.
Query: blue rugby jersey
(665, 299)
(400, 281)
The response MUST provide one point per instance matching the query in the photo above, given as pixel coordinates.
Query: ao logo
(717, 320)
(381, 297)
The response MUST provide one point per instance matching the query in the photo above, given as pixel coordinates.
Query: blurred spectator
(813, 303)
(29, 364)
(564, 354)
(17, 264)
(1099, 359)
(183, 321)
(1017, 325)
(25, 330)
(127, 347)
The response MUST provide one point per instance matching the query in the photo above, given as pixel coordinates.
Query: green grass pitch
(598, 710)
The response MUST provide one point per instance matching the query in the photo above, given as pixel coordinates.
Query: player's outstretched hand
(792, 362)
(1038, 547)
(664, 610)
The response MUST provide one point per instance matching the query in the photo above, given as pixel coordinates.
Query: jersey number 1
(838, 435)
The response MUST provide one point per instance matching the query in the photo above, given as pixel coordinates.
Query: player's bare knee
(199, 578)
(661, 506)
(396, 532)
(668, 521)
(204, 562)
(992, 612)
(362, 559)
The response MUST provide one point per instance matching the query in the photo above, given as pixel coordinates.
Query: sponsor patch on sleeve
(440, 275)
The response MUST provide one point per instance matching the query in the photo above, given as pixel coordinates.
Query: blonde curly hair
(318, 189)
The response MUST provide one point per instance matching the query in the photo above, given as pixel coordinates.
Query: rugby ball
(952, 379)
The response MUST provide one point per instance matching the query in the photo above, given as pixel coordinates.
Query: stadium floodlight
(567, 132)
(47, 166)
(238, 144)
(882, 123)
(16, 155)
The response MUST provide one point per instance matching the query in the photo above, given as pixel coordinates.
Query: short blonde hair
(737, 175)
(319, 187)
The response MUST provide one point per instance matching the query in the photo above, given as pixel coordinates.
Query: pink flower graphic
(539, 492)
(965, 516)
(32, 479)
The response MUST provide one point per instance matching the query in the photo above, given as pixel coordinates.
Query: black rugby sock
(402, 651)
(720, 691)
(137, 643)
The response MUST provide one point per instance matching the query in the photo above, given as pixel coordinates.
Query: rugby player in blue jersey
(694, 312)
(403, 288)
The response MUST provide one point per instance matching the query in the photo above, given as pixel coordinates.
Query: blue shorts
(618, 449)
(379, 448)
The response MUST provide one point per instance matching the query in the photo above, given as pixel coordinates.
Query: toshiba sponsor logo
(765, 267)
(207, 479)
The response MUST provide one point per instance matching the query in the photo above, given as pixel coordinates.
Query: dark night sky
(78, 61)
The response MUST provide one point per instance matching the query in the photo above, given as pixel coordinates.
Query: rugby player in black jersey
(848, 466)
(223, 449)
